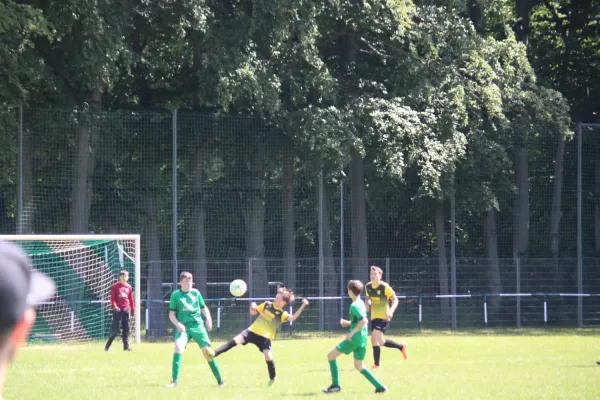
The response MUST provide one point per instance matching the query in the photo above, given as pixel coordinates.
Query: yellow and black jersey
(380, 296)
(268, 321)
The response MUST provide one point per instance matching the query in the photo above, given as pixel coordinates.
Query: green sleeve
(201, 303)
(357, 312)
(173, 302)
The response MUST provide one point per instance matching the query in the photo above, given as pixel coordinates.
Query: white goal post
(84, 268)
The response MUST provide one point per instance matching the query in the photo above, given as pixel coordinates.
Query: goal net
(84, 268)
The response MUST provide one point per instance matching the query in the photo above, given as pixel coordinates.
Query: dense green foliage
(415, 102)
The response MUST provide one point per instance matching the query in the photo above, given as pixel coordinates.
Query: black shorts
(261, 342)
(379, 324)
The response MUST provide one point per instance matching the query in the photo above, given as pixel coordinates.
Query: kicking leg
(239, 339)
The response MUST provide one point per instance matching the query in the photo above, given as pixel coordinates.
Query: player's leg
(376, 341)
(126, 329)
(200, 335)
(114, 331)
(403, 347)
(181, 340)
(270, 363)
(343, 348)
(239, 339)
(359, 356)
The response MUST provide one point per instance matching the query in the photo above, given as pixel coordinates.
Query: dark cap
(21, 286)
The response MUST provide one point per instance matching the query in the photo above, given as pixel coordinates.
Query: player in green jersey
(185, 312)
(355, 342)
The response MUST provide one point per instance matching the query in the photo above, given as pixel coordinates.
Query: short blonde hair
(377, 269)
(286, 294)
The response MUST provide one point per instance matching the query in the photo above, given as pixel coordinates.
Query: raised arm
(299, 311)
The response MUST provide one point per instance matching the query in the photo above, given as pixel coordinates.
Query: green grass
(519, 364)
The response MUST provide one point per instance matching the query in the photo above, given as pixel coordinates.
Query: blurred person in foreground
(21, 288)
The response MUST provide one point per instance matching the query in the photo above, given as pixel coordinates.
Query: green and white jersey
(358, 312)
(187, 306)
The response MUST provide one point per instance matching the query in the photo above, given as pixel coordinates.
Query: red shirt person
(121, 300)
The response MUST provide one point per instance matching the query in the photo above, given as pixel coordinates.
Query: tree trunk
(597, 204)
(360, 255)
(523, 7)
(442, 262)
(556, 214)
(82, 181)
(200, 272)
(491, 239)
(83, 171)
(330, 276)
(157, 318)
(289, 232)
(255, 223)
(521, 208)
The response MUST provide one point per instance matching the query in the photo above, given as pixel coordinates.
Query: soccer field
(534, 365)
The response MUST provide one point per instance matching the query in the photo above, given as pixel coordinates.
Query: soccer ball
(238, 288)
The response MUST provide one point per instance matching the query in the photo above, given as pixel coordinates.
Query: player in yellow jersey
(270, 316)
(379, 294)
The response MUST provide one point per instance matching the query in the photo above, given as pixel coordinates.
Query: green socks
(215, 370)
(371, 378)
(176, 366)
(335, 376)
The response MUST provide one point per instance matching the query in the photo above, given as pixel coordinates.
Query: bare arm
(173, 318)
(394, 305)
(299, 311)
(207, 318)
(344, 323)
(357, 328)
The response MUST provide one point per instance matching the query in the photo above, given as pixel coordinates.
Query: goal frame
(84, 237)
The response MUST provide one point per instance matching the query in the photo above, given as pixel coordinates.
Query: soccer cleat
(128, 349)
(404, 350)
(222, 384)
(382, 389)
(332, 389)
(374, 367)
(598, 362)
(172, 384)
(271, 382)
(106, 349)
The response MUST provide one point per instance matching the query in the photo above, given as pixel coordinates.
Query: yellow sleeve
(285, 317)
(389, 292)
(261, 307)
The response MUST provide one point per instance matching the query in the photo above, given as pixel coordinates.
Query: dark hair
(286, 294)
(355, 286)
(185, 274)
(124, 272)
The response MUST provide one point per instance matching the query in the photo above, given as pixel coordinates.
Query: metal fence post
(579, 227)
(518, 272)
(174, 183)
(250, 286)
(321, 253)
